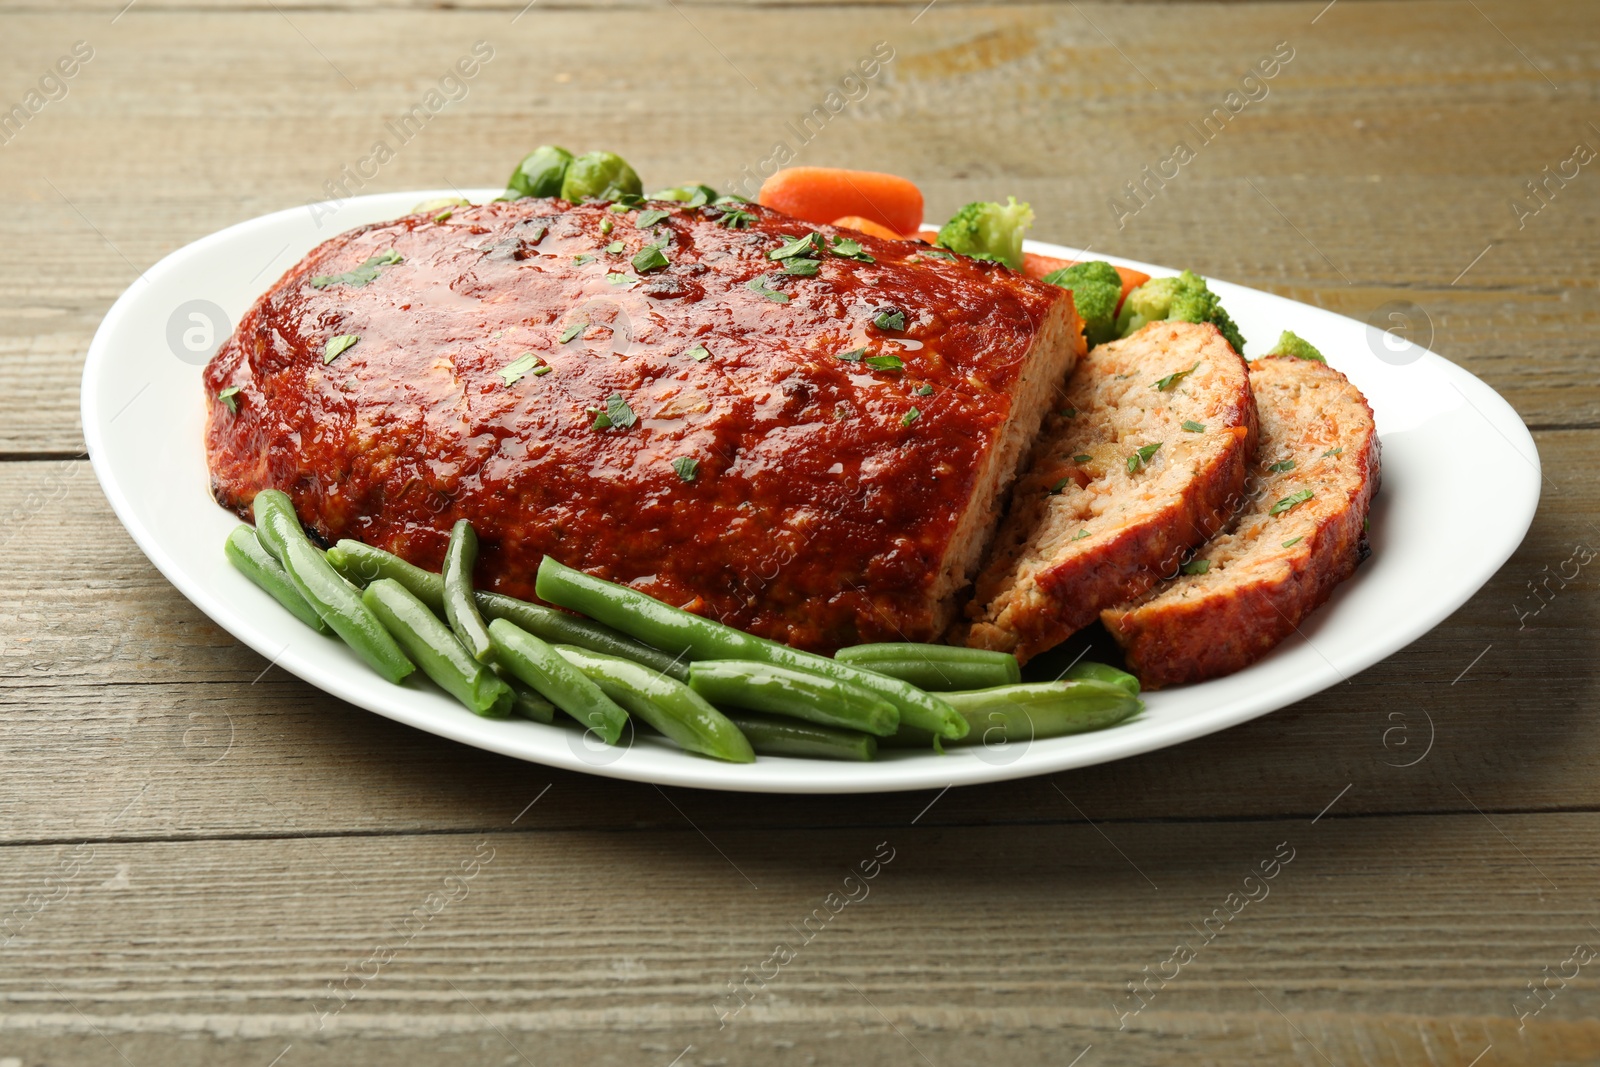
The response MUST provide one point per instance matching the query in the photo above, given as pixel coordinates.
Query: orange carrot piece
(822, 194)
(1131, 280)
(1036, 266)
(867, 226)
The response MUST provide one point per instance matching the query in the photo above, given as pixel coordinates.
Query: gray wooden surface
(205, 861)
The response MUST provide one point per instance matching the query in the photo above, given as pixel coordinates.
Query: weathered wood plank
(119, 698)
(1370, 143)
(1383, 941)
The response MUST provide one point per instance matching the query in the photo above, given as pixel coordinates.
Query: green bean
(791, 693)
(244, 551)
(665, 704)
(460, 609)
(1086, 670)
(329, 595)
(539, 665)
(442, 657)
(1028, 711)
(936, 668)
(785, 737)
(362, 563)
(675, 630)
(525, 703)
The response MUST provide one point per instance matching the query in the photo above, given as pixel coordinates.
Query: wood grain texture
(242, 840)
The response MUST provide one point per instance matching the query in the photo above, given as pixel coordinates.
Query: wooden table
(206, 861)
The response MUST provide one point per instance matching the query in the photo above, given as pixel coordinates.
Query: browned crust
(1168, 641)
(1035, 614)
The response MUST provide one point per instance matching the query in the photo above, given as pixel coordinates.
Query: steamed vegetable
(1097, 290)
(1185, 298)
(822, 194)
(599, 176)
(540, 173)
(986, 230)
(1292, 344)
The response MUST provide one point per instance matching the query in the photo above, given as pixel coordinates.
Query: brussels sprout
(540, 172)
(599, 176)
(692, 194)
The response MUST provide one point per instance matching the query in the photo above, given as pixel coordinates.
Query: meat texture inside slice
(1299, 533)
(1143, 458)
(808, 447)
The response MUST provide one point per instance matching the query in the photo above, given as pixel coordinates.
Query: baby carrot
(822, 194)
(866, 226)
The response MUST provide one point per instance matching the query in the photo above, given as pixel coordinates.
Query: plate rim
(695, 772)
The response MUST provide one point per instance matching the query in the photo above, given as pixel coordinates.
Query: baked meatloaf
(1144, 458)
(810, 447)
(1300, 531)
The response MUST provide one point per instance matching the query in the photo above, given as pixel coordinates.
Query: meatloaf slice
(1299, 533)
(1144, 458)
(811, 452)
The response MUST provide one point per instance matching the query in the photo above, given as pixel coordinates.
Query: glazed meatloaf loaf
(1299, 533)
(1144, 458)
(810, 447)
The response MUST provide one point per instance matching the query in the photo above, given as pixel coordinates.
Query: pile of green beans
(709, 688)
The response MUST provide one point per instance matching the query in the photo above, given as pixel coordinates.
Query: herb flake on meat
(1141, 457)
(337, 345)
(360, 276)
(1163, 384)
(1292, 501)
(759, 284)
(885, 362)
(889, 318)
(227, 397)
(1194, 427)
(517, 369)
(687, 467)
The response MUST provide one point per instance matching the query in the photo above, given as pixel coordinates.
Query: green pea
(541, 172)
(599, 176)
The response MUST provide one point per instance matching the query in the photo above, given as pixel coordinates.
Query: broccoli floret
(1185, 298)
(1292, 344)
(1096, 287)
(988, 231)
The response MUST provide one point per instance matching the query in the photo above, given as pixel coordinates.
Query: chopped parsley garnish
(809, 245)
(517, 369)
(1196, 566)
(909, 417)
(615, 248)
(1082, 457)
(759, 284)
(336, 345)
(1194, 427)
(1294, 541)
(227, 397)
(687, 467)
(649, 218)
(1281, 466)
(884, 362)
(1331, 452)
(925, 389)
(939, 253)
(616, 413)
(1163, 384)
(362, 275)
(650, 258)
(582, 258)
(1292, 501)
(1141, 457)
(731, 216)
(1062, 484)
(845, 248)
(1069, 413)
(542, 369)
(572, 331)
(853, 356)
(443, 216)
(697, 353)
(890, 319)
(621, 279)
(625, 202)
(1081, 535)
(803, 267)
(605, 227)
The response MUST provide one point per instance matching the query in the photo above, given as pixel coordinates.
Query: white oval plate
(1436, 535)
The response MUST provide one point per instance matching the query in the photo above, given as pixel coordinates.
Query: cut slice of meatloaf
(644, 393)
(1145, 458)
(1299, 533)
